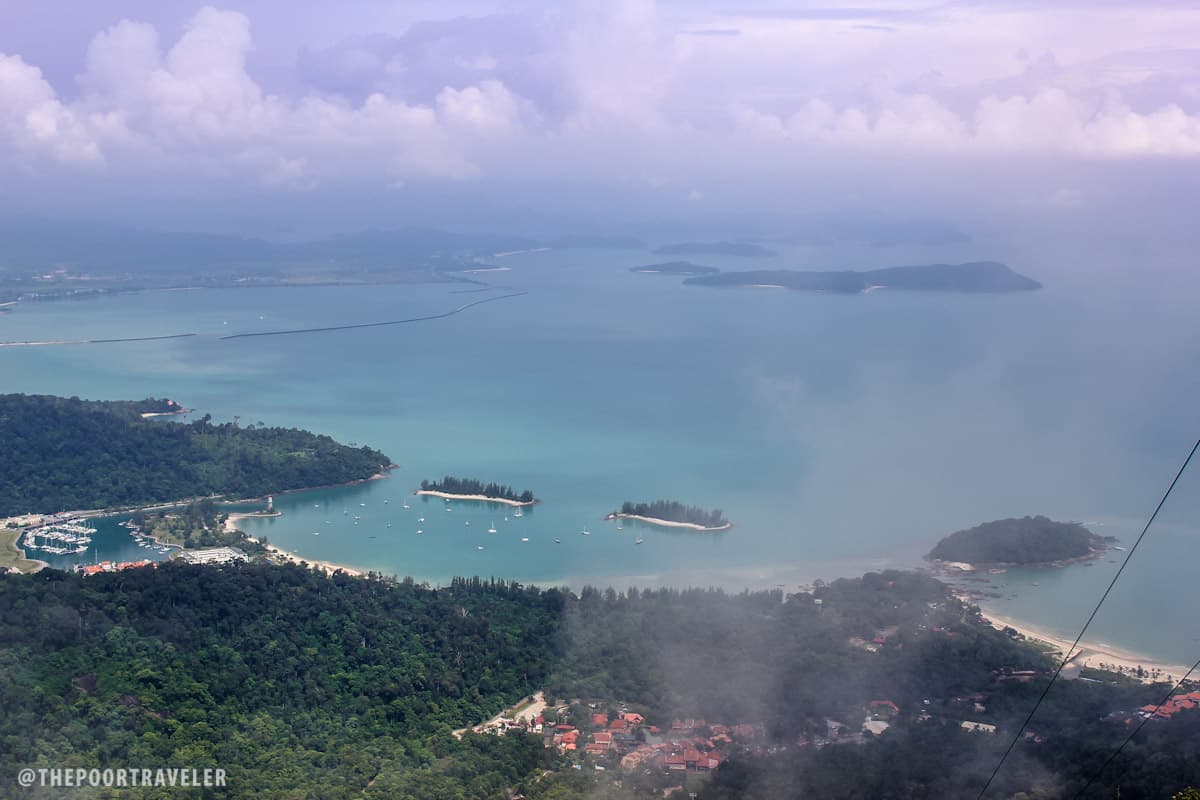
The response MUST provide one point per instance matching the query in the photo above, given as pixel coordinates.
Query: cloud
(628, 92)
(34, 122)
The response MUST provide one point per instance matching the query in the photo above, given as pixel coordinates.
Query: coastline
(475, 498)
(328, 567)
(38, 564)
(1090, 653)
(666, 523)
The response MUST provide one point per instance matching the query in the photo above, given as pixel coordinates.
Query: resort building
(213, 555)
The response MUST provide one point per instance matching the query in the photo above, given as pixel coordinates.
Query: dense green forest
(299, 685)
(453, 485)
(1024, 540)
(674, 511)
(302, 685)
(66, 454)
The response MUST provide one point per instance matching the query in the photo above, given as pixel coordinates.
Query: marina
(60, 538)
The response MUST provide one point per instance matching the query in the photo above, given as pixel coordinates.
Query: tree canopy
(67, 454)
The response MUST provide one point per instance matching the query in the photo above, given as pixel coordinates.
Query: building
(981, 727)
(213, 555)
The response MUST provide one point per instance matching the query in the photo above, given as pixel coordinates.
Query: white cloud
(33, 121)
(634, 98)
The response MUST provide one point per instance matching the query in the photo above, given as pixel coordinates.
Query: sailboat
(406, 506)
(492, 529)
(524, 538)
(558, 541)
(518, 513)
(639, 541)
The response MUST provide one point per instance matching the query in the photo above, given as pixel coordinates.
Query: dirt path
(531, 708)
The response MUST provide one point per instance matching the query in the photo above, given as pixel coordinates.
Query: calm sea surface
(839, 434)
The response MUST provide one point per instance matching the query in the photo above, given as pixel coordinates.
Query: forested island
(1022, 541)
(741, 249)
(975, 276)
(66, 454)
(675, 268)
(671, 513)
(453, 488)
(350, 687)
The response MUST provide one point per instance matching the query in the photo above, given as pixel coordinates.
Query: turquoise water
(839, 434)
(111, 542)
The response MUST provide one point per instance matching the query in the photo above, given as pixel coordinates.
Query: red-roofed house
(602, 738)
(600, 720)
(618, 725)
(633, 718)
(884, 708)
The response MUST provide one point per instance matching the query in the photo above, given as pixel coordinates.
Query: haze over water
(839, 434)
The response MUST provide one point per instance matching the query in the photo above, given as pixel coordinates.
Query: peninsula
(452, 488)
(675, 268)
(1025, 541)
(673, 514)
(67, 453)
(975, 277)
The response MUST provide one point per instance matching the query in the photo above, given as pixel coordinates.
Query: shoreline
(666, 523)
(38, 564)
(1090, 653)
(475, 498)
(328, 567)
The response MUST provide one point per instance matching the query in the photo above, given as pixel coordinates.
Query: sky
(593, 113)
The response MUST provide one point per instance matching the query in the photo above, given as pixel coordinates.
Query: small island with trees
(673, 514)
(452, 488)
(1024, 541)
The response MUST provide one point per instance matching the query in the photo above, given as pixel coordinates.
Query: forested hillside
(297, 684)
(65, 454)
(302, 685)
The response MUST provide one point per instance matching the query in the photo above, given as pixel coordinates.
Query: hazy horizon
(259, 118)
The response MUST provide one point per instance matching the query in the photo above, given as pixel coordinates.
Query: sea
(839, 434)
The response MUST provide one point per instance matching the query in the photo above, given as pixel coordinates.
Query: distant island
(975, 276)
(742, 249)
(1025, 541)
(672, 514)
(676, 268)
(69, 454)
(452, 488)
